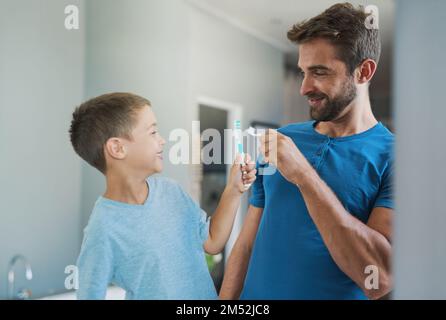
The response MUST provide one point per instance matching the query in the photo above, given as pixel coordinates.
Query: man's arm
(352, 244)
(237, 264)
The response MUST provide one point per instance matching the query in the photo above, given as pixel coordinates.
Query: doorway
(217, 115)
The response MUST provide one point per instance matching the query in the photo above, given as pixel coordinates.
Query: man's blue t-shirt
(289, 259)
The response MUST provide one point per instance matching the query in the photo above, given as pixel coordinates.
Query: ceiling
(269, 20)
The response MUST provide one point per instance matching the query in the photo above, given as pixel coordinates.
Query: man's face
(326, 84)
(144, 150)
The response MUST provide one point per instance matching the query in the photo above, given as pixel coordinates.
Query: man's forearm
(235, 273)
(222, 221)
(352, 244)
(237, 265)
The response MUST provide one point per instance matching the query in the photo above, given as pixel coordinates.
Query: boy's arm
(223, 218)
(94, 268)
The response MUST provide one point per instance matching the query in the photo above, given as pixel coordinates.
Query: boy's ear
(115, 148)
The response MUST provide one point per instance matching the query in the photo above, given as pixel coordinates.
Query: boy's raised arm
(223, 218)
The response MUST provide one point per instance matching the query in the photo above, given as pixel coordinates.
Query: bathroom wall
(420, 237)
(232, 66)
(168, 51)
(171, 53)
(41, 80)
(141, 47)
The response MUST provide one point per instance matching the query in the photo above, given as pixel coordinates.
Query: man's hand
(282, 152)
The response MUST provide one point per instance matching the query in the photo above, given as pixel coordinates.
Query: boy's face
(144, 150)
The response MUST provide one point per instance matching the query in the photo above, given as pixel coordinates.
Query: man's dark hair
(344, 26)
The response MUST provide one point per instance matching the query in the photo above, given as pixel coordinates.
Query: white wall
(172, 53)
(229, 65)
(41, 80)
(420, 237)
(166, 51)
(141, 47)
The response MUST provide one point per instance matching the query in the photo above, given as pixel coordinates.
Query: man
(320, 227)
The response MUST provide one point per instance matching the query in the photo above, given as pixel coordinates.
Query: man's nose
(307, 86)
(162, 141)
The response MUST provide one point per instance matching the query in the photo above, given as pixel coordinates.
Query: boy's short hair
(101, 118)
(344, 26)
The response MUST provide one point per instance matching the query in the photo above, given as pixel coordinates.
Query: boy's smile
(145, 149)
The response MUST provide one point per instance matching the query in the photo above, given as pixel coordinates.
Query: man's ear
(115, 148)
(365, 71)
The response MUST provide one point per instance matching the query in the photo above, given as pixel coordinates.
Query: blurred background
(208, 60)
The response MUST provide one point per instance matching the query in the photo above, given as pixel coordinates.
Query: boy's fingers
(251, 166)
(238, 159)
(247, 168)
(249, 175)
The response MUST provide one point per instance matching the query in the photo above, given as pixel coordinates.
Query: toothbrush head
(237, 125)
(251, 131)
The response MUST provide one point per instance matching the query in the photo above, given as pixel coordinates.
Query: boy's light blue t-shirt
(153, 251)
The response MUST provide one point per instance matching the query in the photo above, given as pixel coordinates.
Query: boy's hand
(241, 177)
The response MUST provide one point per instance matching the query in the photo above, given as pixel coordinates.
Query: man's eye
(154, 132)
(320, 74)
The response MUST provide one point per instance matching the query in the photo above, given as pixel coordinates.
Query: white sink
(113, 293)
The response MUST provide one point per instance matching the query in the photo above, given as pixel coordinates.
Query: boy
(145, 234)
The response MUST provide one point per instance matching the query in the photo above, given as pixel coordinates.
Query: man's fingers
(267, 138)
(270, 134)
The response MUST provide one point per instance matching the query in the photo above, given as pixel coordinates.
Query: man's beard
(333, 107)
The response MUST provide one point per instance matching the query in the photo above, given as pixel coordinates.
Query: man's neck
(126, 188)
(358, 118)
